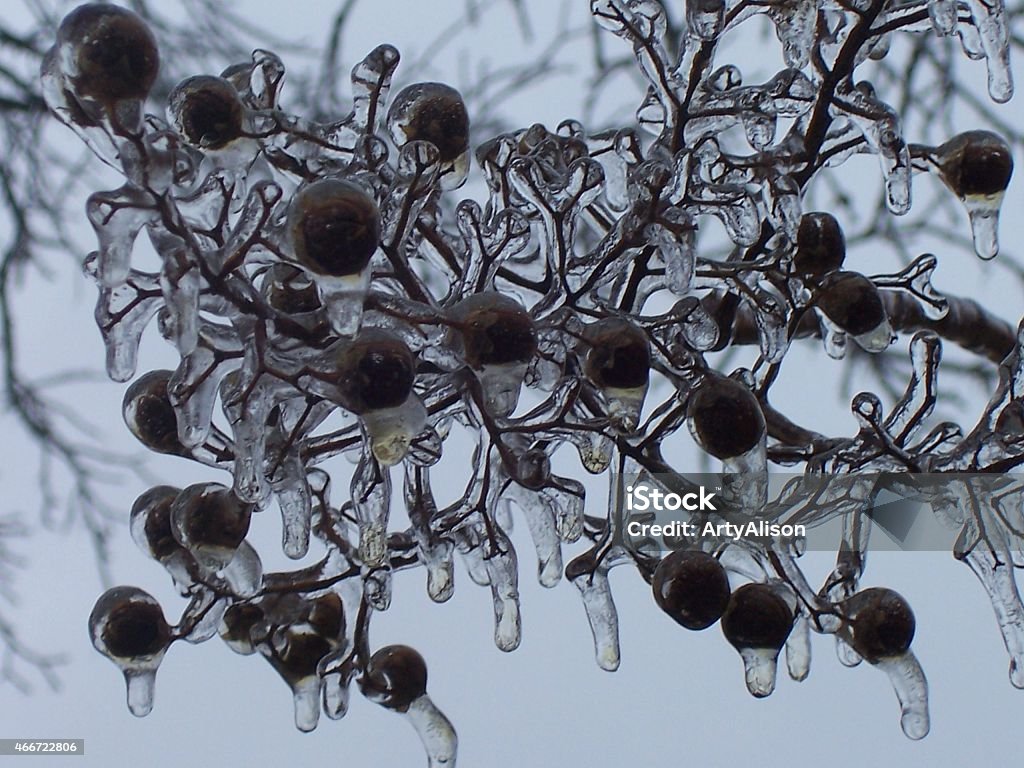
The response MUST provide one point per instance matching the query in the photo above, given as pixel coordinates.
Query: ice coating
(435, 731)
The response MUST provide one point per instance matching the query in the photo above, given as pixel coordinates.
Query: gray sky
(679, 697)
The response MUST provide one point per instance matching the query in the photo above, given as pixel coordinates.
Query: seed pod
(290, 290)
(108, 53)
(211, 522)
(334, 227)
(495, 330)
(431, 112)
(691, 587)
(619, 356)
(207, 112)
(757, 617)
(820, 245)
(395, 677)
(533, 469)
(376, 371)
(300, 654)
(127, 624)
(151, 522)
(881, 623)
(238, 625)
(853, 303)
(724, 417)
(149, 415)
(975, 164)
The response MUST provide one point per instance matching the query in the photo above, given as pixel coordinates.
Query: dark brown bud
(976, 163)
(619, 356)
(757, 617)
(207, 111)
(108, 53)
(496, 330)
(327, 615)
(334, 227)
(149, 415)
(881, 623)
(130, 624)
(431, 112)
(820, 245)
(210, 515)
(395, 677)
(725, 418)
(238, 623)
(376, 370)
(692, 588)
(852, 302)
(290, 290)
(300, 656)
(151, 521)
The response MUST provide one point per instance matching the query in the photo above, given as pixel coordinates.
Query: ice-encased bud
(211, 523)
(296, 658)
(497, 339)
(127, 626)
(820, 245)
(435, 113)
(881, 623)
(431, 112)
(290, 290)
(207, 112)
(619, 362)
(239, 624)
(107, 53)
(724, 417)
(395, 677)
(376, 371)
(853, 303)
(977, 167)
(975, 163)
(757, 623)
(334, 227)
(151, 522)
(692, 588)
(149, 415)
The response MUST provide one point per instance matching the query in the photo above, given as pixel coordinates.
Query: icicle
(118, 217)
(591, 580)
(435, 731)
(760, 666)
(391, 430)
(244, 574)
(997, 579)
(798, 649)
(503, 574)
(989, 17)
(911, 687)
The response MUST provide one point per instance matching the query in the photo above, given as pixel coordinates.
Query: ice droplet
(983, 213)
(601, 614)
(503, 573)
(798, 649)
(306, 700)
(911, 687)
(141, 686)
(759, 667)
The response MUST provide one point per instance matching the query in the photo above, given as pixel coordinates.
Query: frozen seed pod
(497, 340)
(820, 245)
(725, 418)
(692, 588)
(396, 678)
(757, 622)
(375, 376)
(853, 305)
(151, 522)
(977, 167)
(619, 363)
(149, 415)
(334, 228)
(242, 627)
(533, 469)
(127, 626)
(436, 113)
(207, 112)
(290, 291)
(211, 523)
(107, 53)
(880, 627)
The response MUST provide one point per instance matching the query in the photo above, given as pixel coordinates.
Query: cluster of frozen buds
(310, 269)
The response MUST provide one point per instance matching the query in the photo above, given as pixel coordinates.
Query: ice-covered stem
(967, 324)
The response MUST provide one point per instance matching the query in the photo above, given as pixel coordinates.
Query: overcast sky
(678, 698)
